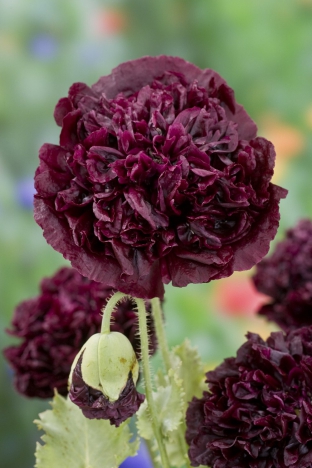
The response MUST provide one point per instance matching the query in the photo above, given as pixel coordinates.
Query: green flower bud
(107, 360)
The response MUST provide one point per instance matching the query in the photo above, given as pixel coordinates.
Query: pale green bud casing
(106, 362)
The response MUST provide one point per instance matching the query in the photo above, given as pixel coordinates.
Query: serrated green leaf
(188, 367)
(176, 456)
(169, 402)
(73, 441)
(187, 364)
(144, 422)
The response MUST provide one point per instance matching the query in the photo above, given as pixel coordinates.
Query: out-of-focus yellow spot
(307, 3)
(288, 141)
(211, 365)
(309, 116)
(8, 44)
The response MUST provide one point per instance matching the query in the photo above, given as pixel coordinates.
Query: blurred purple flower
(286, 276)
(44, 46)
(142, 460)
(25, 192)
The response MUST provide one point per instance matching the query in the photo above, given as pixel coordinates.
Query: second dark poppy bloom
(159, 177)
(257, 412)
(286, 276)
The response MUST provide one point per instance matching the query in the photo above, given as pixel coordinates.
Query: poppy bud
(103, 377)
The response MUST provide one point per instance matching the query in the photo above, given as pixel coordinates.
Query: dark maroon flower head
(159, 177)
(258, 410)
(286, 276)
(55, 325)
(95, 405)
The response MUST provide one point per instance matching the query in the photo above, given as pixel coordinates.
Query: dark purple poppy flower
(95, 405)
(286, 276)
(55, 325)
(257, 412)
(159, 177)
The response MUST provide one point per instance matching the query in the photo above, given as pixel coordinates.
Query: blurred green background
(263, 48)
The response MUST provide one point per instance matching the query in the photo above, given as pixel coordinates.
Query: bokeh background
(263, 48)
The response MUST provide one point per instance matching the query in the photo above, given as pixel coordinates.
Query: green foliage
(184, 380)
(169, 400)
(189, 368)
(73, 441)
(176, 456)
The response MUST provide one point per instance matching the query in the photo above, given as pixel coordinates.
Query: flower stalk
(160, 332)
(164, 350)
(109, 309)
(148, 382)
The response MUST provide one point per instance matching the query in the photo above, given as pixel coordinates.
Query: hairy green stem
(151, 452)
(105, 328)
(160, 332)
(108, 309)
(148, 382)
(164, 349)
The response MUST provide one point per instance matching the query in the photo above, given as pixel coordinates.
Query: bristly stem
(160, 332)
(108, 310)
(148, 382)
(151, 452)
(164, 349)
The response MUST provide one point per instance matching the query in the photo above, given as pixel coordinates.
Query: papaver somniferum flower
(55, 325)
(286, 276)
(258, 410)
(103, 377)
(159, 177)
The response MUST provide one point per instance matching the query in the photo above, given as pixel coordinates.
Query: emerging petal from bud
(103, 377)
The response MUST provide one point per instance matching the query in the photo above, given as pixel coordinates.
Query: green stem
(160, 332)
(108, 309)
(148, 382)
(151, 452)
(164, 349)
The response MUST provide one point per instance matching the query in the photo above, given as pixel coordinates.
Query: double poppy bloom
(159, 177)
(257, 412)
